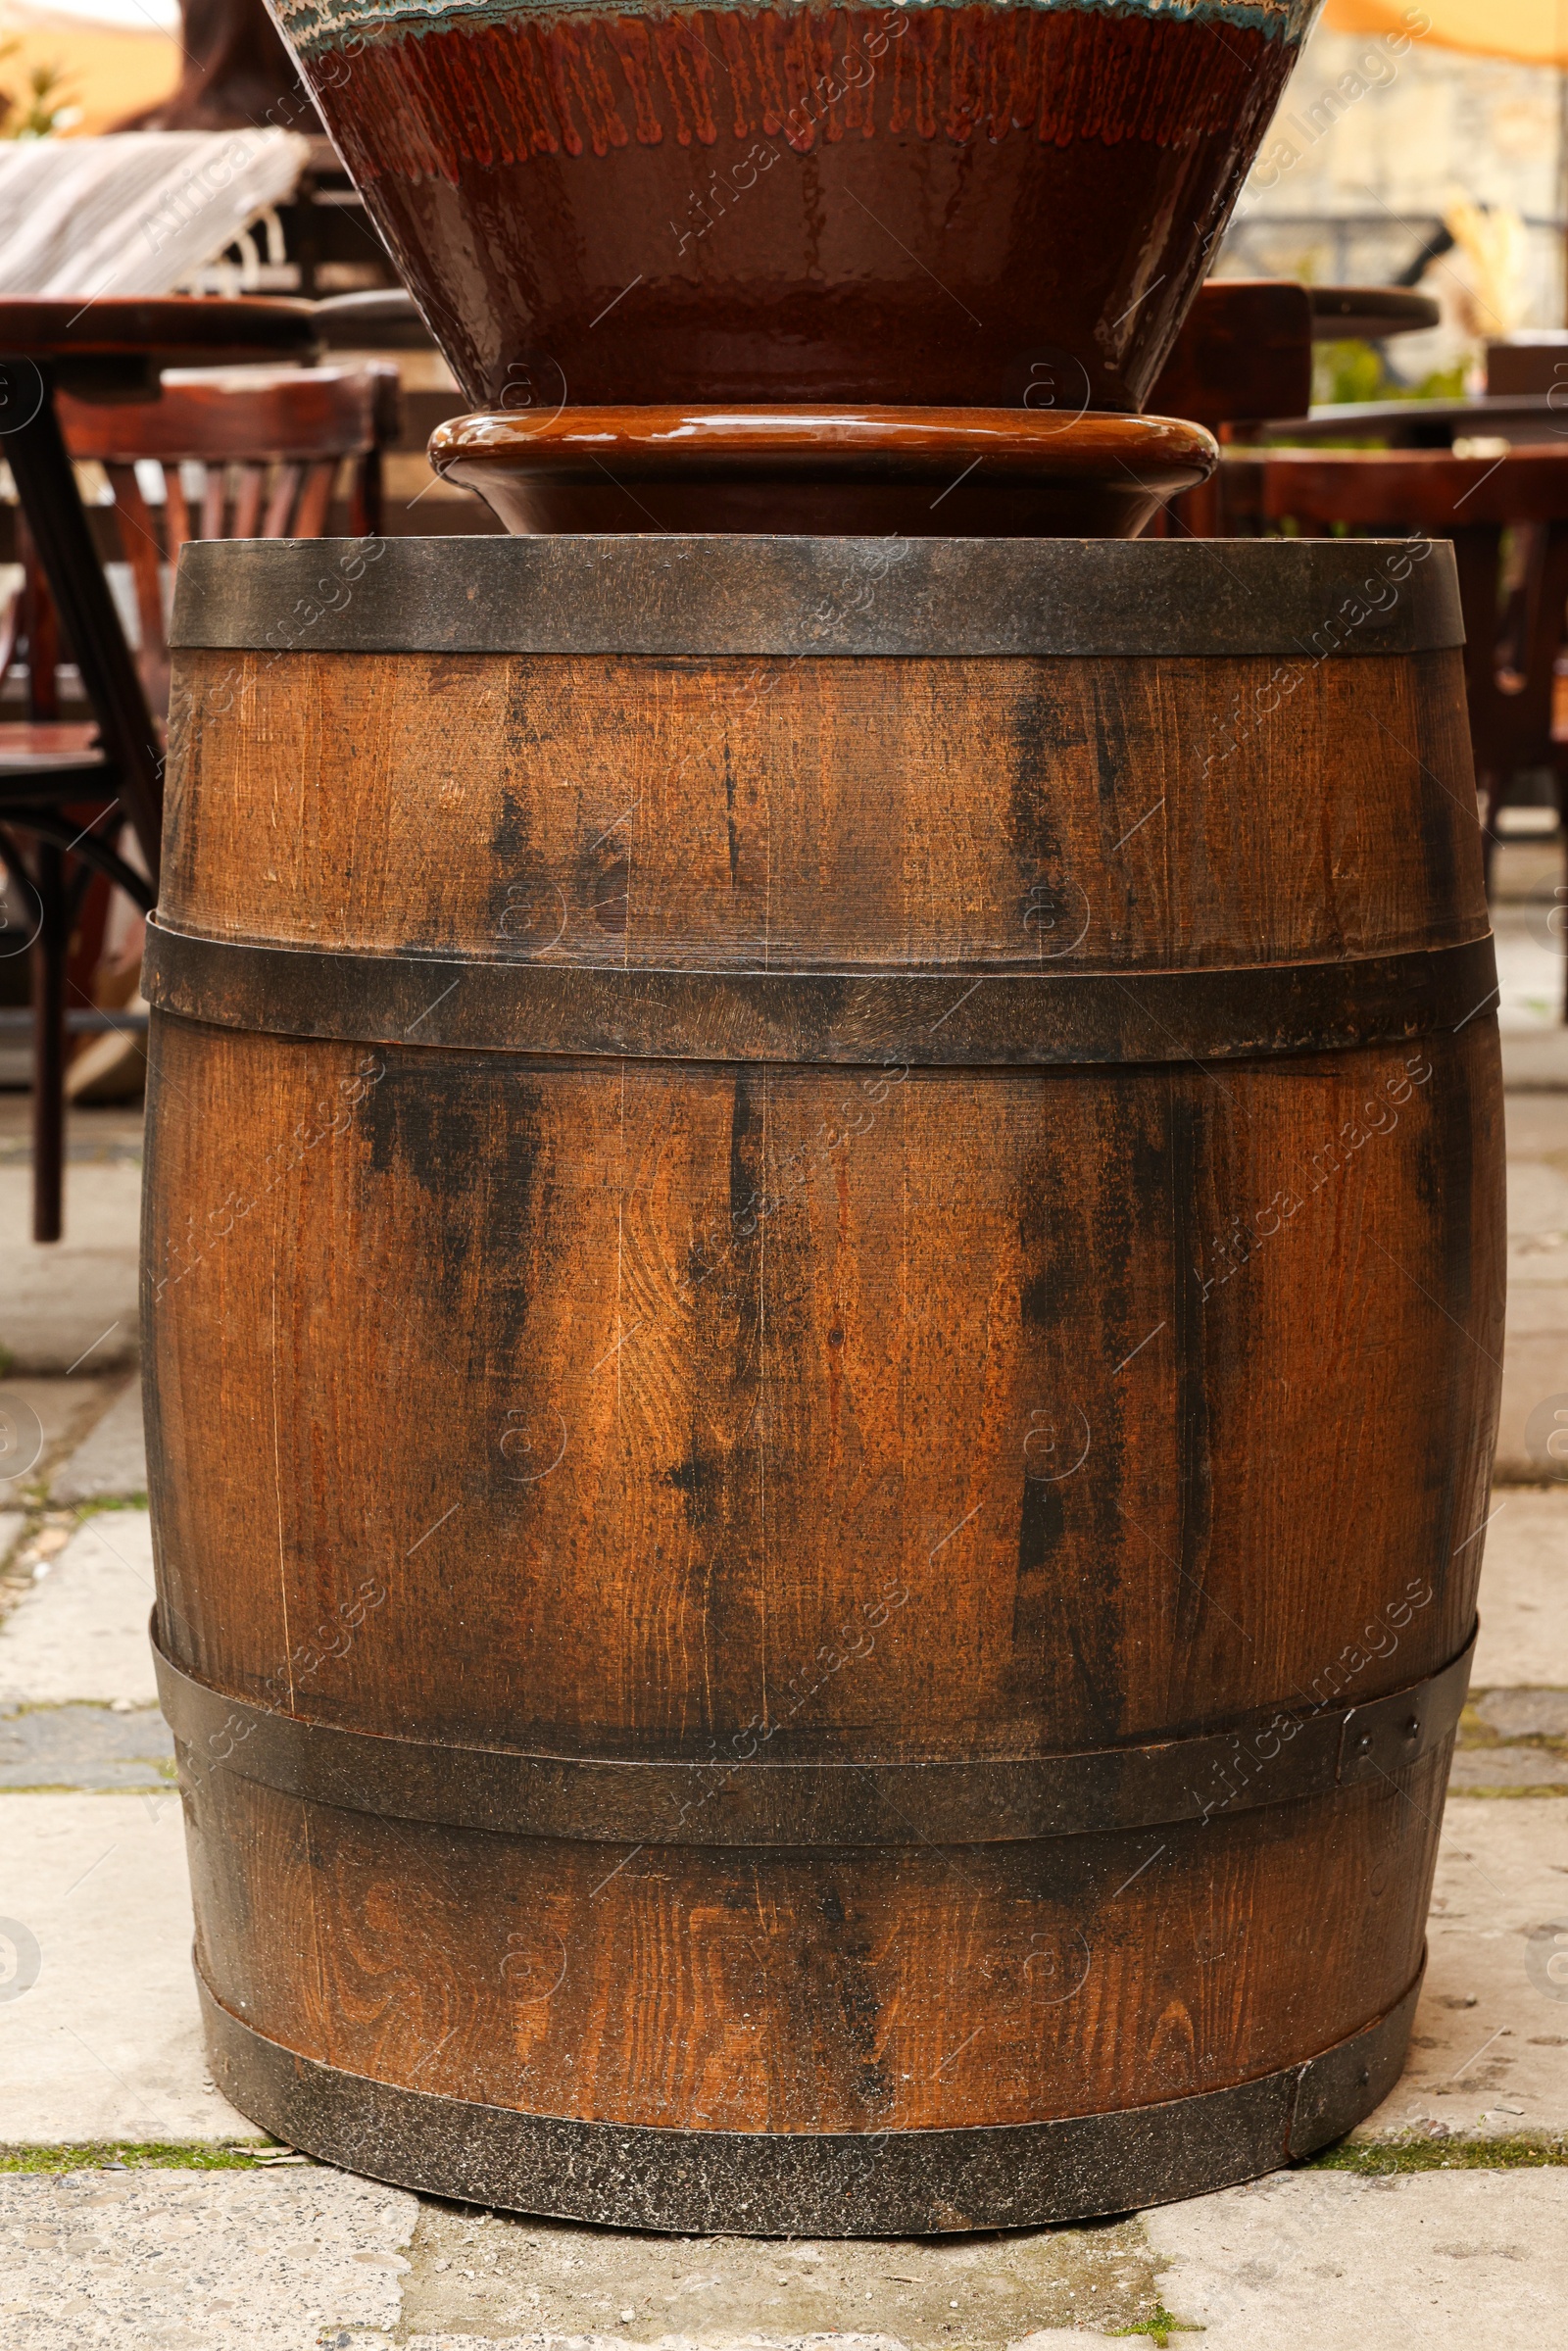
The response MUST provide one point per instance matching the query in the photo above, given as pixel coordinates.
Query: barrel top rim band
(808, 2183)
(1049, 1016)
(1193, 1779)
(678, 595)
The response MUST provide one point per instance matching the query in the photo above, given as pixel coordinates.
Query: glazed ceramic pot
(993, 205)
(873, 473)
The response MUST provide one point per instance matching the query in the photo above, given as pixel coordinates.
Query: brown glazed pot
(916, 474)
(947, 205)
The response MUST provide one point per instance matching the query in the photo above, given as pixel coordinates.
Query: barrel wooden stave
(848, 1400)
(738, 791)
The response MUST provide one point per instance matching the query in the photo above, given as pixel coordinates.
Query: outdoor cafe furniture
(1515, 610)
(1245, 354)
(71, 792)
(1515, 417)
(254, 453)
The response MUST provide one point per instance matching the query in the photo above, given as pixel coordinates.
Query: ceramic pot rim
(320, 25)
(683, 443)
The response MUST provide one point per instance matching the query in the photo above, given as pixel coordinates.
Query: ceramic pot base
(968, 473)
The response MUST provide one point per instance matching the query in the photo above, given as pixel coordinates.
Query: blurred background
(1416, 146)
(1409, 137)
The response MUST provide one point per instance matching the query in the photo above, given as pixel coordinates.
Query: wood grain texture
(1243, 352)
(684, 1442)
(668, 1410)
(825, 814)
(908, 1989)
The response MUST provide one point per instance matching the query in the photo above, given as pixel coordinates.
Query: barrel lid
(1296, 600)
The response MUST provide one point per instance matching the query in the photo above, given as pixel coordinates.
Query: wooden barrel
(824, 1285)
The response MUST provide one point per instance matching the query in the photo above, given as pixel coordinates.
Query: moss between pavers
(1377, 2158)
(1475, 1732)
(1478, 1737)
(140, 2155)
(38, 1511)
(166, 1785)
(1162, 2325)
(1513, 1795)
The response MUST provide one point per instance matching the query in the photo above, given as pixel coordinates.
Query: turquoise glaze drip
(317, 24)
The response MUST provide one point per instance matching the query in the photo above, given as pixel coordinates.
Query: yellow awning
(108, 71)
(1528, 33)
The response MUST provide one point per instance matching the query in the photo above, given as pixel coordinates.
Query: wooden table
(1524, 417)
(1246, 350)
(1514, 612)
(113, 350)
(110, 350)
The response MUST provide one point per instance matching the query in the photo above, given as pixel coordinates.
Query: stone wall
(1376, 138)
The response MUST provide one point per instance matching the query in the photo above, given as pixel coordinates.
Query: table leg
(48, 491)
(49, 953)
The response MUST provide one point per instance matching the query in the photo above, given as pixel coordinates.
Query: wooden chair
(1514, 596)
(1244, 355)
(244, 453)
(240, 453)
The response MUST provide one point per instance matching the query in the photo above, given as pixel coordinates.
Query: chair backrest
(1244, 354)
(243, 453)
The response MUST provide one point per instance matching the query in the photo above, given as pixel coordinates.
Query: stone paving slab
(1537, 1195)
(1528, 973)
(1489, 2052)
(73, 1297)
(1535, 1354)
(478, 2277)
(95, 1132)
(41, 1420)
(99, 2032)
(1524, 1593)
(1045, 2339)
(1323, 2261)
(1523, 1713)
(1511, 1767)
(1535, 1374)
(120, 1747)
(182, 2261)
(311, 2260)
(81, 1631)
(1514, 1739)
(110, 1461)
(1536, 1125)
(1535, 1061)
(1331, 2263)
